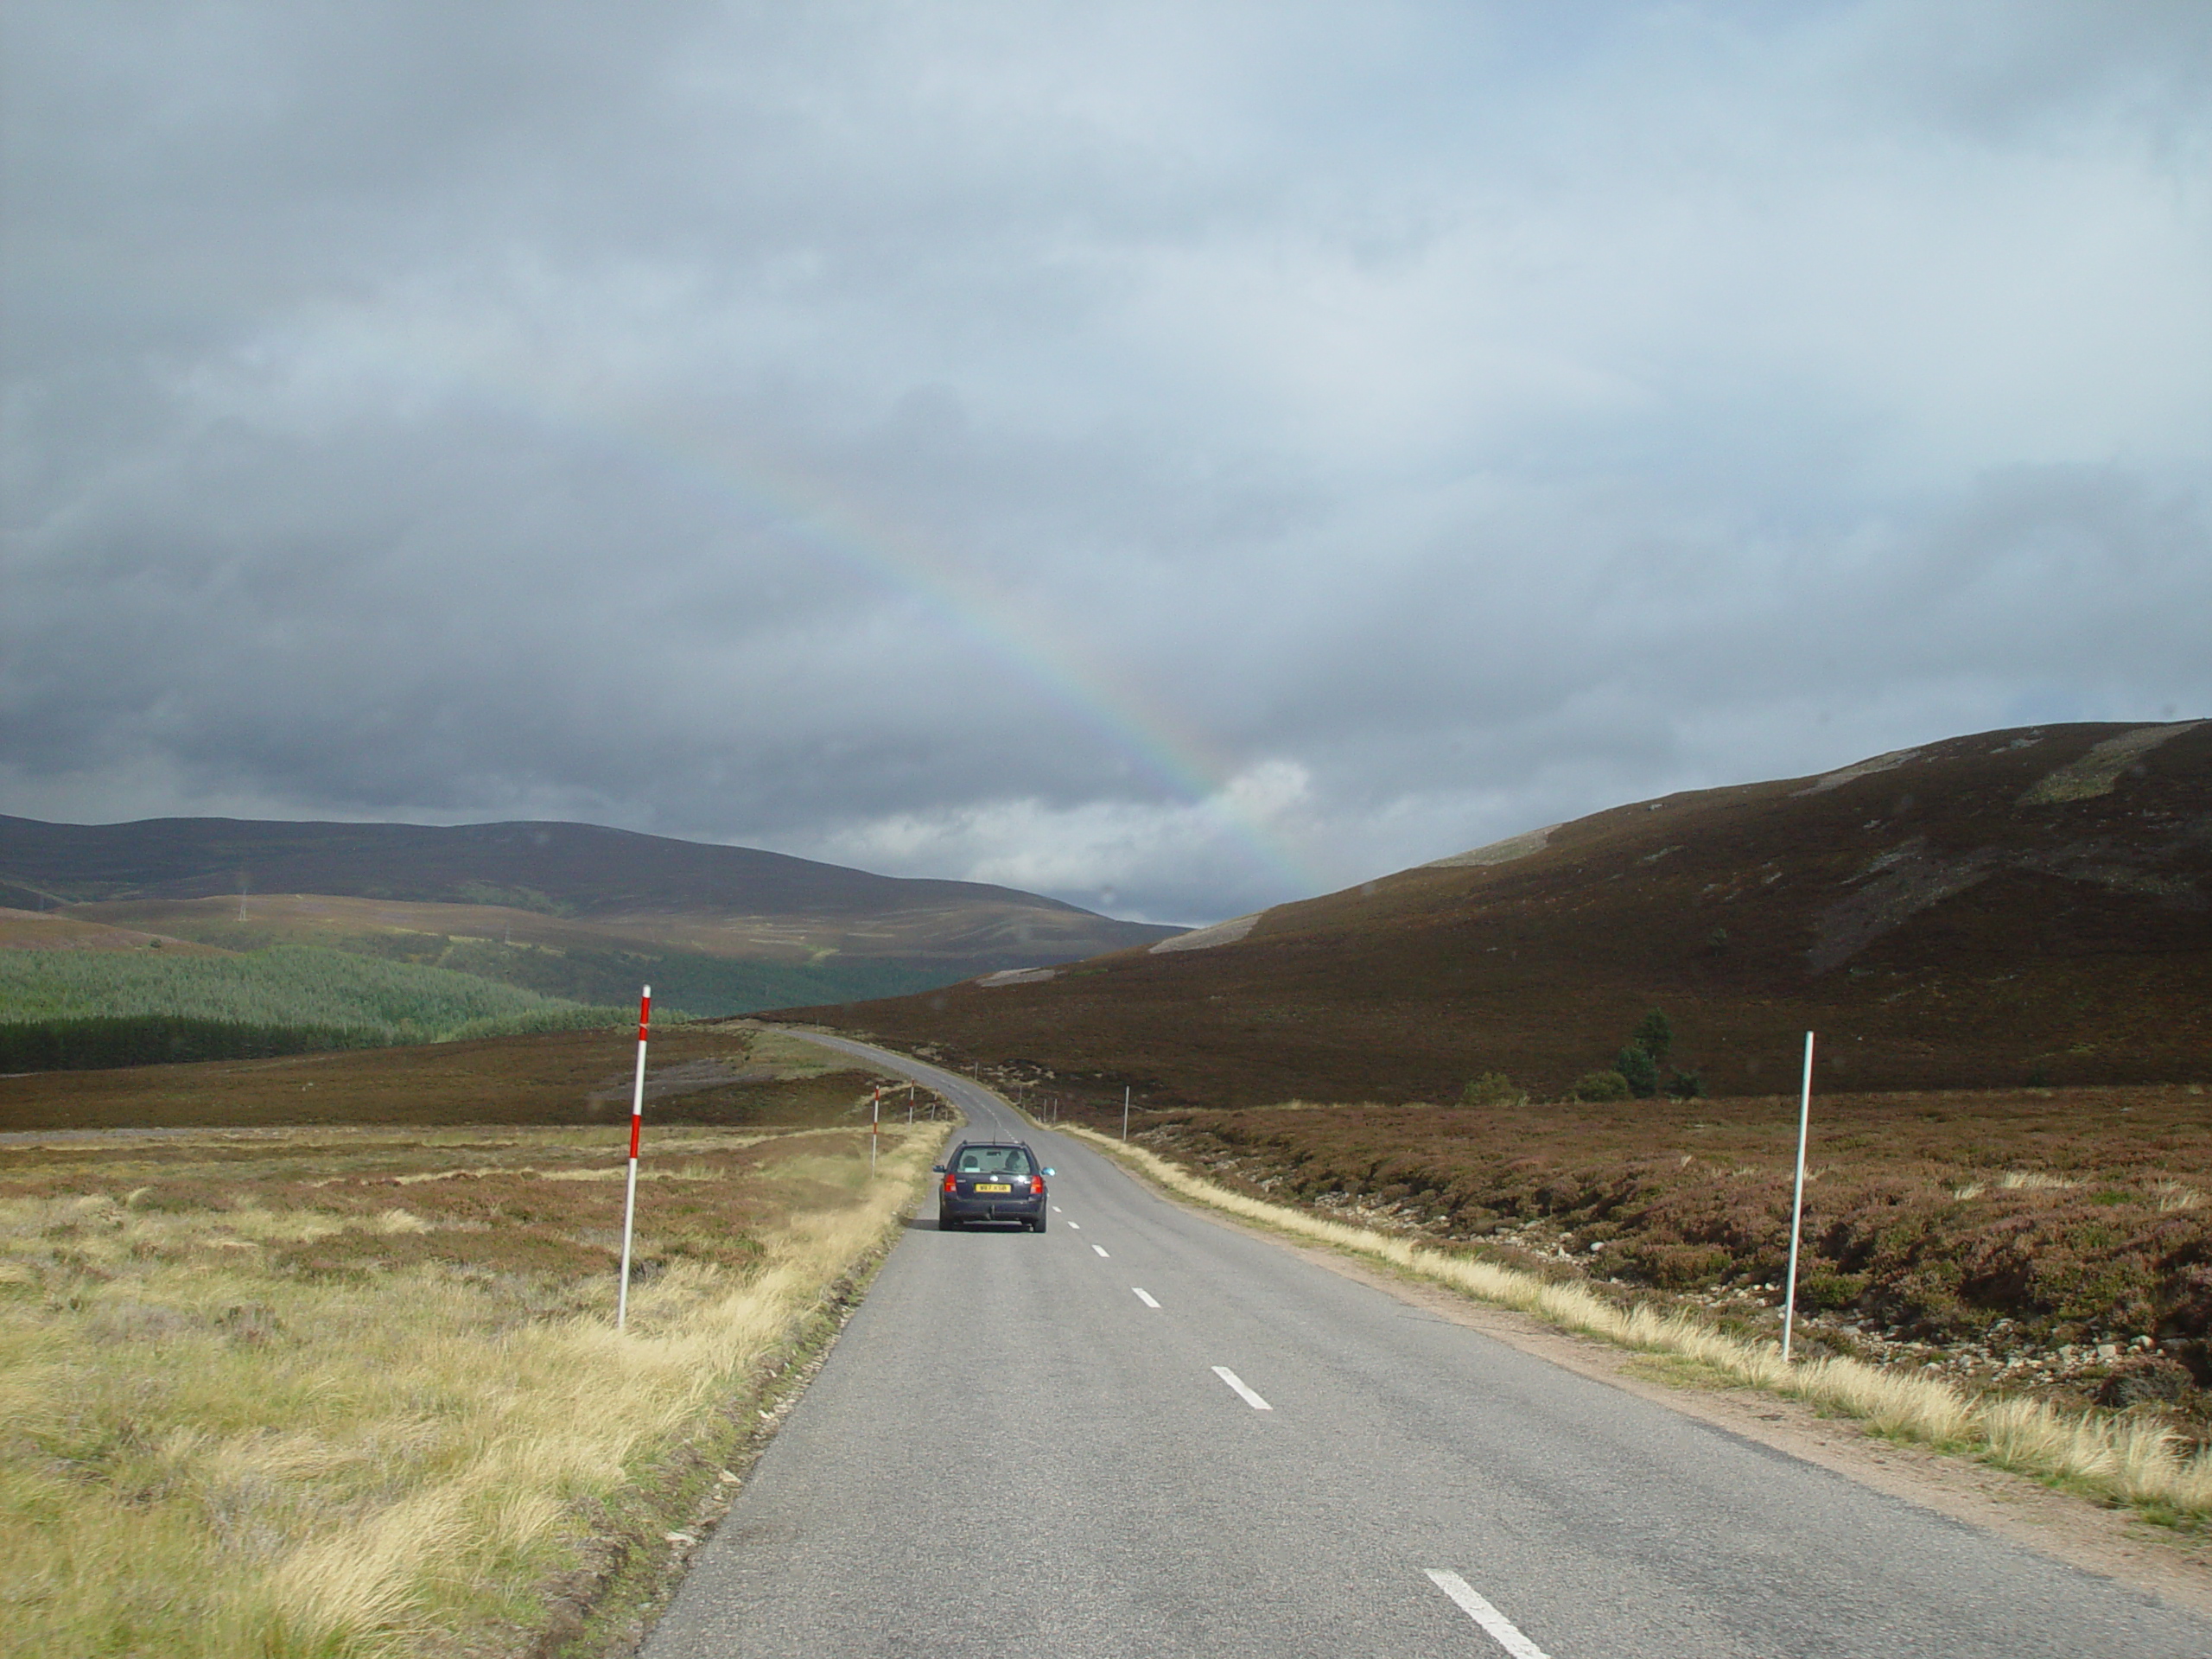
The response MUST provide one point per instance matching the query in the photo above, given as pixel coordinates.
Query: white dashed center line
(1258, 1404)
(1056, 1210)
(1146, 1297)
(1501, 1628)
(1101, 1249)
(1077, 1226)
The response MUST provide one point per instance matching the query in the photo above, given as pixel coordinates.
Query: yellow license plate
(992, 1187)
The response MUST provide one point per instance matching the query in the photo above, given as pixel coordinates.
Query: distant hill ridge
(2013, 907)
(570, 910)
(583, 869)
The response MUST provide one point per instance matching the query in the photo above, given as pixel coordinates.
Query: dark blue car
(991, 1180)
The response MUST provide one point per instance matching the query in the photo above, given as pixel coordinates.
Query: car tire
(947, 1225)
(1038, 1225)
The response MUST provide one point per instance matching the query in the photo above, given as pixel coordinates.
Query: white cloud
(1181, 860)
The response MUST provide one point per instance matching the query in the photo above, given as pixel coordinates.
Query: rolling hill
(2007, 909)
(570, 910)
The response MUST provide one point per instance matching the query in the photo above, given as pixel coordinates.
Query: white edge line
(1146, 1297)
(1101, 1249)
(1502, 1630)
(1258, 1404)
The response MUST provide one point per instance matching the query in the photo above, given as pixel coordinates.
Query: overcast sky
(1175, 457)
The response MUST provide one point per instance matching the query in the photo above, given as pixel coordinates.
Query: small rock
(679, 1538)
(727, 1478)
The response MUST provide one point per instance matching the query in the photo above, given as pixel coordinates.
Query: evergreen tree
(1654, 1035)
(1636, 1064)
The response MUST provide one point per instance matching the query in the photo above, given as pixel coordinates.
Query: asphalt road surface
(1142, 1433)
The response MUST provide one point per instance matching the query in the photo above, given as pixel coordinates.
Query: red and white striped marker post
(637, 1123)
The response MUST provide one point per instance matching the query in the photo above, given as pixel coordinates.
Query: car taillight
(950, 1185)
(1036, 1186)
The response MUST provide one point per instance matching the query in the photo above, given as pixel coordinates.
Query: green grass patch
(1680, 1371)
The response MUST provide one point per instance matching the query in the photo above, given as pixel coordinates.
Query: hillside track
(1144, 1432)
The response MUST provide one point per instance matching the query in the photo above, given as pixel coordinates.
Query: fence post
(1797, 1204)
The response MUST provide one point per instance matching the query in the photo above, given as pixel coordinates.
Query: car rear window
(992, 1160)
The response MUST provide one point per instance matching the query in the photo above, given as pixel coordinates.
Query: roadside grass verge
(358, 1393)
(2114, 1457)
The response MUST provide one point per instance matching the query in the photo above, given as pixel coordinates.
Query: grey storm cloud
(1176, 457)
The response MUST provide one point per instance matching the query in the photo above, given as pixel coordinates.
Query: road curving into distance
(1144, 1434)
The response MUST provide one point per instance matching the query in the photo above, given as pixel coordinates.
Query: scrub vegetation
(2136, 1457)
(334, 1392)
(2058, 1237)
(98, 1008)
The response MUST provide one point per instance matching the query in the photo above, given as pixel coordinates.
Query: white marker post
(637, 1122)
(874, 1127)
(1125, 1111)
(1797, 1207)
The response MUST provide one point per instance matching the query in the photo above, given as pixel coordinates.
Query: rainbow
(891, 557)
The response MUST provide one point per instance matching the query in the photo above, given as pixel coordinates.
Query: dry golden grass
(333, 1392)
(2175, 1196)
(2122, 1458)
(2035, 1181)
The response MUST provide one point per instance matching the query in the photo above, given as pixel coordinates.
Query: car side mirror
(1051, 1172)
(937, 1169)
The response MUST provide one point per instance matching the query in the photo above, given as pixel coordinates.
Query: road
(1144, 1434)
